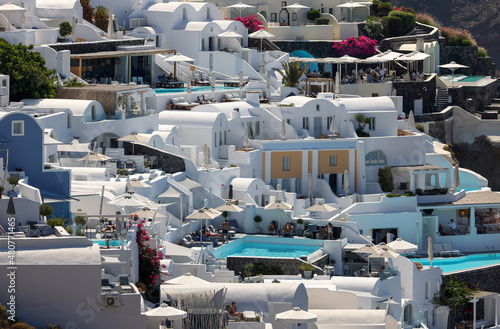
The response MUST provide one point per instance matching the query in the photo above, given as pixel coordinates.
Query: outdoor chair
(310, 231)
(188, 241)
(105, 287)
(438, 248)
(124, 283)
(449, 251)
(180, 103)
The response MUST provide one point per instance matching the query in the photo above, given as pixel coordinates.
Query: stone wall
(168, 162)
(411, 91)
(392, 43)
(485, 279)
(289, 266)
(474, 99)
(93, 47)
(481, 157)
(466, 56)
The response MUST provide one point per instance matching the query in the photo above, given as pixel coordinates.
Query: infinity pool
(453, 264)
(261, 246)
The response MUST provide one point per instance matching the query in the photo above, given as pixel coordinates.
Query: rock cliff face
(483, 157)
(480, 17)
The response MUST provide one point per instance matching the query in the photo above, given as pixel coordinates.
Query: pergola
(106, 55)
(490, 309)
(420, 176)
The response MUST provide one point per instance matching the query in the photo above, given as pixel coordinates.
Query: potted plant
(456, 295)
(13, 181)
(300, 229)
(45, 210)
(258, 219)
(307, 268)
(80, 222)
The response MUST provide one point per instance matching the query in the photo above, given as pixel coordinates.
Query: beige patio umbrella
(384, 253)
(240, 6)
(206, 156)
(165, 312)
(130, 199)
(351, 5)
(133, 138)
(187, 279)
(295, 316)
(229, 207)
(147, 213)
(201, 214)
(333, 128)
(402, 246)
(321, 207)
(229, 34)
(296, 7)
(176, 59)
(366, 249)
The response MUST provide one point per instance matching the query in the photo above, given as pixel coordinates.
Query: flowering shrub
(405, 9)
(360, 47)
(149, 259)
(381, 8)
(427, 19)
(251, 23)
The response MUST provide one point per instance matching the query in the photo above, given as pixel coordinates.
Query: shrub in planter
(80, 222)
(390, 195)
(419, 191)
(56, 222)
(321, 21)
(443, 190)
(46, 210)
(482, 52)
(313, 14)
(306, 267)
(373, 27)
(409, 193)
(407, 17)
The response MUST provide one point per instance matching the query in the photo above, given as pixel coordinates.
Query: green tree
(362, 122)
(385, 179)
(29, 77)
(313, 14)
(101, 17)
(80, 222)
(46, 210)
(373, 27)
(65, 29)
(456, 294)
(292, 72)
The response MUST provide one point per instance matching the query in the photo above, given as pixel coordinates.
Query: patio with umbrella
(279, 204)
(296, 7)
(177, 58)
(296, 316)
(240, 6)
(453, 66)
(412, 57)
(133, 138)
(261, 34)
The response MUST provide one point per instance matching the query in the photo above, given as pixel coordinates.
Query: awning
(120, 53)
(54, 199)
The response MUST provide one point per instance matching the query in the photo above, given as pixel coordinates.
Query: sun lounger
(438, 248)
(232, 97)
(124, 284)
(180, 103)
(449, 251)
(188, 241)
(105, 287)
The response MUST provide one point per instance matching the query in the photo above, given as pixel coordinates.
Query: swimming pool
(183, 90)
(112, 243)
(453, 264)
(263, 246)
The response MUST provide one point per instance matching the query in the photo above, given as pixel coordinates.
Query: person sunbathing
(233, 312)
(273, 226)
(109, 227)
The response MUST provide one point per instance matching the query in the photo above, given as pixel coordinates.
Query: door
(418, 106)
(332, 180)
(211, 44)
(318, 127)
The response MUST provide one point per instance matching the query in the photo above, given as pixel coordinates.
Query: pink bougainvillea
(149, 259)
(251, 23)
(360, 47)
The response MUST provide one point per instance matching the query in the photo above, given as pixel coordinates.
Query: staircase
(494, 106)
(442, 99)
(419, 31)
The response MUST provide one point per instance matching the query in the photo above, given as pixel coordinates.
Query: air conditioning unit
(112, 300)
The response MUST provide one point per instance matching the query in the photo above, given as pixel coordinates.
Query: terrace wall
(289, 266)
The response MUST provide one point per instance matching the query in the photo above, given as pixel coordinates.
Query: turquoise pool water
(259, 246)
(112, 243)
(183, 90)
(472, 78)
(453, 264)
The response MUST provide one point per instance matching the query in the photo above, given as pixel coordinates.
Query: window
(215, 139)
(220, 138)
(18, 128)
(208, 14)
(294, 17)
(333, 160)
(68, 118)
(158, 41)
(257, 128)
(329, 122)
(375, 158)
(283, 4)
(371, 126)
(305, 123)
(330, 11)
(94, 113)
(225, 137)
(286, 163)
(317, 107)
(184, 14)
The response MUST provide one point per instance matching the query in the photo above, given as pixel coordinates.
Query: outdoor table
(40, 228)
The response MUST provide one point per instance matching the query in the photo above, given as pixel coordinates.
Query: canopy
(133, 137)
(201, 214)
(296, 315)
(240, 6)
(130, 199)
(388, 55)
(94, 156)
(453, 66)
(413, 56)
(297, 6)
(402, 246)
(351, 5)
(229, 34)
(178, 58)
(166, 312)
(261, 34)
(229, 207)
(321, 207)
(278, 204)
(187, 279)
(147, 213)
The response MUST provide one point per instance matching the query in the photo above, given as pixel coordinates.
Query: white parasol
(176, 59)
(166, 312)
(411, 121)
(402, 246)
(229, 207)
(296, 7)
(321, 207)
(351, 5)
(261, 34)
(333, 129)
(229, 34)
(94, 156)
(130, 199)
(452, 66)
(206, 156)
(240, 6)
(296, 315)
(187, 279)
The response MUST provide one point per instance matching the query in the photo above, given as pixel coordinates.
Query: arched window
(375, 158)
